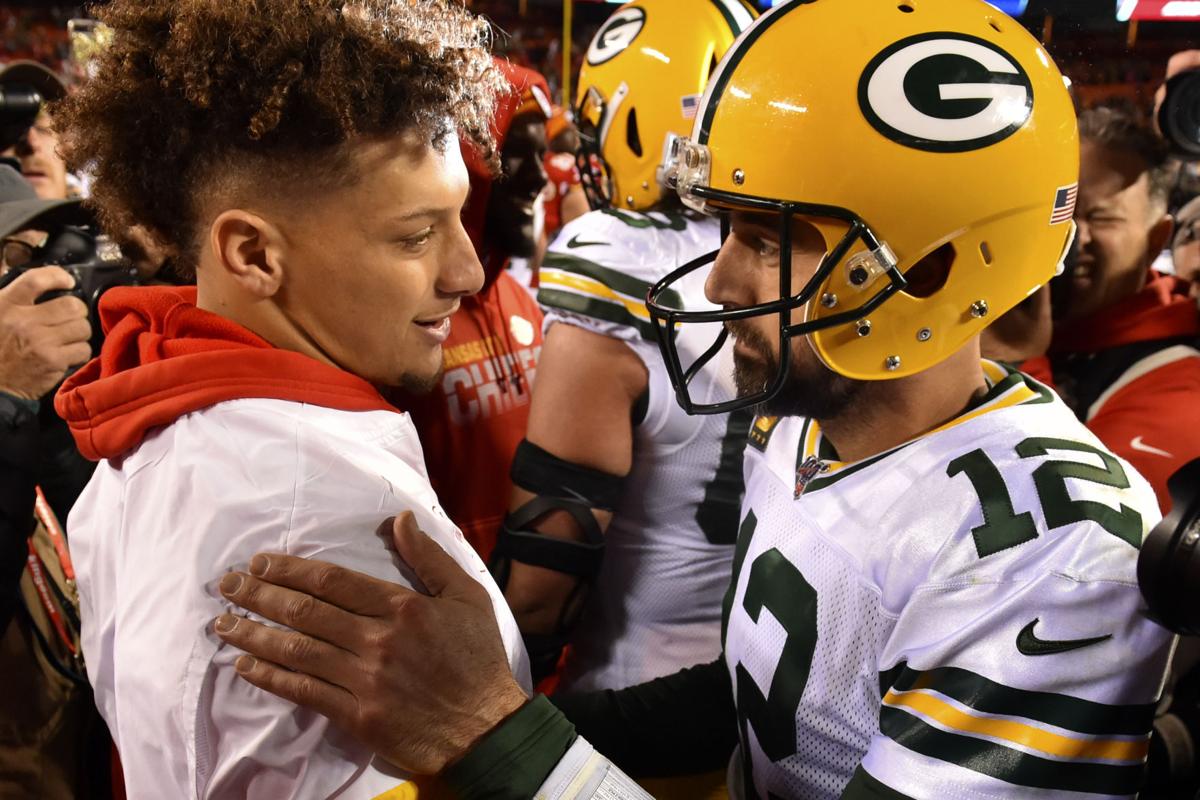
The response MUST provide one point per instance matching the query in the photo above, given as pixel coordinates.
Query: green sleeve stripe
(1006, 764)
(595, 308)
(516, 757)
(1069, 713)
(863, 786)
(617, 281)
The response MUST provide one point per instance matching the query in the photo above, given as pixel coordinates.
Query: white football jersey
(959, 615)
(656, 606)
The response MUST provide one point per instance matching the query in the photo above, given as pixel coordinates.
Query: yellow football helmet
(639, 88)
(945, 126)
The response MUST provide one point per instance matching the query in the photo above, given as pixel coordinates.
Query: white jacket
(155, 531)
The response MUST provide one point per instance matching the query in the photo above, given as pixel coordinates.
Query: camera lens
(1169, 562)
(1179, 117)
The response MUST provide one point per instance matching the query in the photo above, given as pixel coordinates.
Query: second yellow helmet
(640, 87)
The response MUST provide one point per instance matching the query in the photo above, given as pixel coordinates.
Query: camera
(19, 106)
(1169, 562)
(1179, 115)
(93, 259)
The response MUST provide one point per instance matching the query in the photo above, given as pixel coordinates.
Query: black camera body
(93, 260)
(1179, 115)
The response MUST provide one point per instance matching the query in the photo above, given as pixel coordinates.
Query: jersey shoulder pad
(1027, 489)
(602, 265)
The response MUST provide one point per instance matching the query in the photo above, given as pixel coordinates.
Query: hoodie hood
(163, 358)
(1161, 310)
(528, 91)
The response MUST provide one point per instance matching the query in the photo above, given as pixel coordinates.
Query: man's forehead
(1107, 171)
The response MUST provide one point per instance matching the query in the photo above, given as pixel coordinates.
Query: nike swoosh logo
(1030, 645)
(1138, 444)
(574, 242)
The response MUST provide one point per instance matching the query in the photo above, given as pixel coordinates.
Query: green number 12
(1003, 527)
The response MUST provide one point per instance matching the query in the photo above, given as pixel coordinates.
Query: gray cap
(21, 208)
(31, 73)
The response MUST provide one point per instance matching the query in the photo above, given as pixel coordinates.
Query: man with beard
(934, 590)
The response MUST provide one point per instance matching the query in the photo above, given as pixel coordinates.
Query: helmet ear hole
(930, 274)
(631, 134)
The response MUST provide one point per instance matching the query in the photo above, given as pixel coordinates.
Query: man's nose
(460, 272)
(1083, 233)
(728, 281)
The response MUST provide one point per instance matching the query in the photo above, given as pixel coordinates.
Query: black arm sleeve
(681, 724)
(18, 459)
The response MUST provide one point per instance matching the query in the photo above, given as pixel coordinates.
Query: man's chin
(818, 393)
(411, 383)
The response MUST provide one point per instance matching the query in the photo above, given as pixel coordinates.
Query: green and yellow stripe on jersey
(1006, 388)
(579, 286)
(1029, 738)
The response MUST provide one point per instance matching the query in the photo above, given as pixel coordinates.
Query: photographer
(29, 138)
(39, 343)
(53, 744)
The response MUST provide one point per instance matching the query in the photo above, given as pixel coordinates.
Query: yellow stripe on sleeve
(594, 288)
(1019, 733)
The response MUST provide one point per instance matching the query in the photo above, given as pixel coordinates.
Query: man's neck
(262, 317)
(890, 413)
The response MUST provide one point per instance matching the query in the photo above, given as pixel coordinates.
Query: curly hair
(194, 95)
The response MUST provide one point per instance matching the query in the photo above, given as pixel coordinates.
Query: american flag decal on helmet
(1064, 204)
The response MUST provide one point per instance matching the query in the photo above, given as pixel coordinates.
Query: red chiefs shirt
(1148, 414)
(471, 423)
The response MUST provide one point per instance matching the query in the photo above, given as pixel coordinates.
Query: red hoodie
(163, 358)
(1148, 414)
(471, 425)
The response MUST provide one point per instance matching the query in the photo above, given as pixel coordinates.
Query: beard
(410, 384)
(810, 389)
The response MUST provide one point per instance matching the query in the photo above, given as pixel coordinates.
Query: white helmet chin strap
(1061, 266)
(610, 113)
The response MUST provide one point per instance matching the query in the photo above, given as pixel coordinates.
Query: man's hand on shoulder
(419, 678)
(39, 342)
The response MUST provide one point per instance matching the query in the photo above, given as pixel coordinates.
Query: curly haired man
(301, 156)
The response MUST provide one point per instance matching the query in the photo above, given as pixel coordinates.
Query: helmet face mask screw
(863, 327)
(979, 309)
(739, 177)
(859, 275)
(924, 335)
(892, 363)
(829, 300)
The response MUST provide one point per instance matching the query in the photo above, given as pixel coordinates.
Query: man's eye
(768, 249)
(418, 239)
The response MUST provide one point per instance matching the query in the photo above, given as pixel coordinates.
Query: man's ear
(249, 249)
(1159, 237)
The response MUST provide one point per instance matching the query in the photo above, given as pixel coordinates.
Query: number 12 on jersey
(1004, 527)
